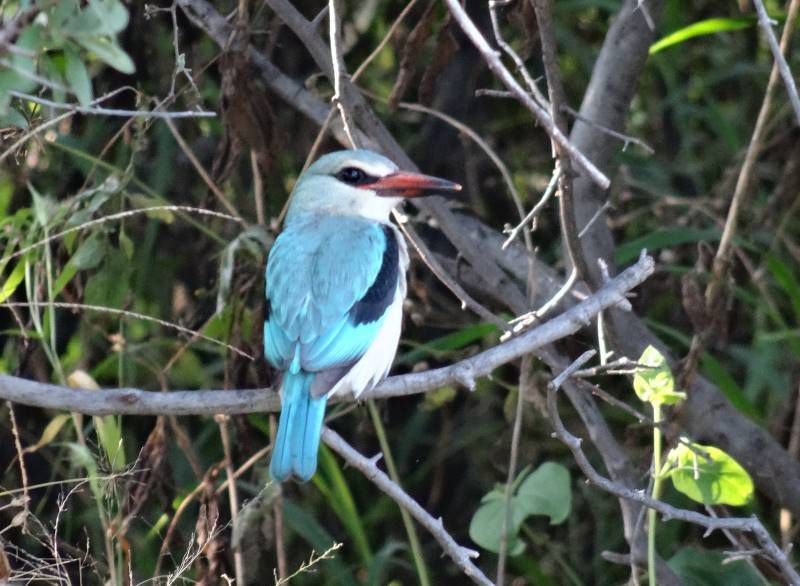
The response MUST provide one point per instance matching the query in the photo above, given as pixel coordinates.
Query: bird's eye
(352, 175)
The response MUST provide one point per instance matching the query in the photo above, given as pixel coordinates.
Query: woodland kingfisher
(335, 285)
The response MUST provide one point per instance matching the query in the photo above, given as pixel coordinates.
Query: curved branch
(459, 554)
(207, 402)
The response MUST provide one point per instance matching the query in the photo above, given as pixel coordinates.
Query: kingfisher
(335, 285)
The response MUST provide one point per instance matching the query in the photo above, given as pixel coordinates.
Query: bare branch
(338, 71)
(778, 53)
(208, 402)
(531, 215)
(460, 555)
(77, 108)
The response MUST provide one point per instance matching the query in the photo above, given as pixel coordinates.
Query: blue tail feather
(299, 429)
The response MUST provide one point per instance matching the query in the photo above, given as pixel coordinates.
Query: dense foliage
(87, 223)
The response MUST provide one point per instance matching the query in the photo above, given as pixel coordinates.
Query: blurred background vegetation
(110, 492)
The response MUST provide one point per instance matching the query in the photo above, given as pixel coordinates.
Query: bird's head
(360, 183)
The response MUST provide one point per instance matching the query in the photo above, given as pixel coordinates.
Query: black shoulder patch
(380, 294)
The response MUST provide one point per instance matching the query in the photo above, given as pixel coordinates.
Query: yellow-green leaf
(12, 282)
(708, 475)
(50, 432)
(108, 428)
(653, 381)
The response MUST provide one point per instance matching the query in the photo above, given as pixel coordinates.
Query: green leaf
(108, 427)
(126, 244)
(544, 492)
(708, 475)
(12, 117)
(50, 432)
(699, 567)
(654, 382)
(486, 527)
(83, 458)
(787, 280)
(112, 14)
(21, 67)
(453, 341)
(109, 52)
(44, 207)
(6, 191)
(109, 432)
(547, 492)
(69, 271)
(111, 284)
(90, 253)
(78, 77)
(709, 26)
(12, 282)
(141, 201)
(345, 505)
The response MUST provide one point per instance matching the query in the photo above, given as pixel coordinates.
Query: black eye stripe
(355, 176)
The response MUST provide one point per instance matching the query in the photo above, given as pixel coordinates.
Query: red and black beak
(407, 184)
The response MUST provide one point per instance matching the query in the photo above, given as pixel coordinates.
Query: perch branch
(208, 402)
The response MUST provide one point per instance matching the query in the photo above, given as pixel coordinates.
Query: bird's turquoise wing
(329, 281)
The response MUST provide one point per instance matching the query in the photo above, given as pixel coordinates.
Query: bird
(335, 285)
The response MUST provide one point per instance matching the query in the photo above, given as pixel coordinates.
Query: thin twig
(338, 72)
(258, 189)
(201, 170)
(129, 314)
(277, 510)
(119, 216)
(486, 148)
(531, 215)
(462, 556)
(496, 65)
(23, 471)
(526, 320)
(533, 88)
(625, 138)
(454, 286)
(778, 53)
(77, 108)
(55, 121)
